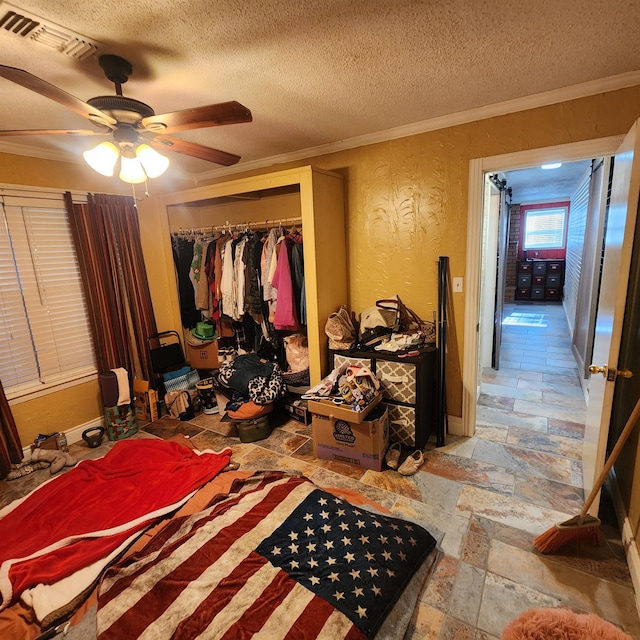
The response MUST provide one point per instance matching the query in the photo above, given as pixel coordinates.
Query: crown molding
(555, 96)
(36, 152)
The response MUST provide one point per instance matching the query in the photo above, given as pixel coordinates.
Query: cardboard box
(50, 442)
(342, 411)
(297, 408)
(145, 401)
(204, 356)
(363, 443)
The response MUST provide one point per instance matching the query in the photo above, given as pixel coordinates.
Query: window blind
(544, 229)
(45, 335)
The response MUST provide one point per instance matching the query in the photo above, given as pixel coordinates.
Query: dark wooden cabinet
(408, 390)
(540, 280)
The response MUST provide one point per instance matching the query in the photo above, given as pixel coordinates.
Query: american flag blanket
(277, 557)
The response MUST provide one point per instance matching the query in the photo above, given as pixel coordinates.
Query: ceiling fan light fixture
(131, 170)
(102, 158)
(154, 163)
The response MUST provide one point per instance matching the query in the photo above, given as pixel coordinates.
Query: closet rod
(227, 226)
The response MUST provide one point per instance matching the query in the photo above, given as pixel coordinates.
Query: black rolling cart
(408, 390)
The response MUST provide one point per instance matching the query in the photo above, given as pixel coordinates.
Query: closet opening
(229, 253)
(226, 248)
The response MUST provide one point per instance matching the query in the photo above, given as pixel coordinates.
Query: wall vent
(29, 26)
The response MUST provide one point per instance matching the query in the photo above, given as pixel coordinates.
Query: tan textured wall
(407, 201)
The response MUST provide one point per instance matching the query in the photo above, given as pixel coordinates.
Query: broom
(584, 527)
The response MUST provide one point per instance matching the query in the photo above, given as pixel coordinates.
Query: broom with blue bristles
(584, 527)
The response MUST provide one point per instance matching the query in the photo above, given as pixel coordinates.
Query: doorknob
(610, 373)
(594, 368)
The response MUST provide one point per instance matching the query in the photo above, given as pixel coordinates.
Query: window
(544, 228)
(45, 338)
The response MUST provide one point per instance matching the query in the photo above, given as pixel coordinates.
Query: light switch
(457, 285)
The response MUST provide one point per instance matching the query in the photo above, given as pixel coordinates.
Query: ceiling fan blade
(194, 149)
(52, 132)
(47, 90)
(212, 115)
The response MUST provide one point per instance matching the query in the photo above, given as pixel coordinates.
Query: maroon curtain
(10, 445)
(107, 240)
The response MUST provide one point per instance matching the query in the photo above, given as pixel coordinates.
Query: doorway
(616, 313)
(542, 226)
(617, 247)
(478, 169)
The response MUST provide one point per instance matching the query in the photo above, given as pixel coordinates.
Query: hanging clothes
(286, 314)
(226, 281)
(182, 249)
(239, 278)
(213, 311)
(253, 288)
(196, 267)
(233, 275)
(297, 277)
(267, 255)
(202, 286)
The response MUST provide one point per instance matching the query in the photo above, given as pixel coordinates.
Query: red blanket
(81, 516)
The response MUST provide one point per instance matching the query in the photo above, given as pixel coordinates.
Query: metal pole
(443, 273)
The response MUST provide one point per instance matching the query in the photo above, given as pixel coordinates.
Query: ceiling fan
(133, 125)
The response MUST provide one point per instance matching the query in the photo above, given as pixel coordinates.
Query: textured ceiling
(537, 184)
(316, 72)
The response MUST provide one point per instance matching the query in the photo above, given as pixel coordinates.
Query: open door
(590, 265)
(501, 278)
(619, 237)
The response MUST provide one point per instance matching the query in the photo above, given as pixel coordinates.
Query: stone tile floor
(483, 498)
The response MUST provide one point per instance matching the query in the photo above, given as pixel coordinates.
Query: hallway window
(545, 228)
(45, 338)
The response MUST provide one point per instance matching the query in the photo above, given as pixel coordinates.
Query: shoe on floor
(392, 457)
(411, 463)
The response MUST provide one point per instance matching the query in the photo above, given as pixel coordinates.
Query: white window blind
(544, 228)
(44, 329)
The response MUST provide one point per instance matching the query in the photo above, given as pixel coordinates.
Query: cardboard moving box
(342, 411)
(363, 443)
(145, 401)
(203, 356)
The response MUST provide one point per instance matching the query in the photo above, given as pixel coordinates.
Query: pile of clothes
(251, 384)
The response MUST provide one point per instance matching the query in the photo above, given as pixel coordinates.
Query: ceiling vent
(29, 26)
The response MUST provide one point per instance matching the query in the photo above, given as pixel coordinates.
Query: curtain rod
(227, 226)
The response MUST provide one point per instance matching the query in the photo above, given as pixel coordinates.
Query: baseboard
(456, 428)
(628, 537)
(73, 435)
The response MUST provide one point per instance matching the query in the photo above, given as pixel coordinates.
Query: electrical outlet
(457, 285)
